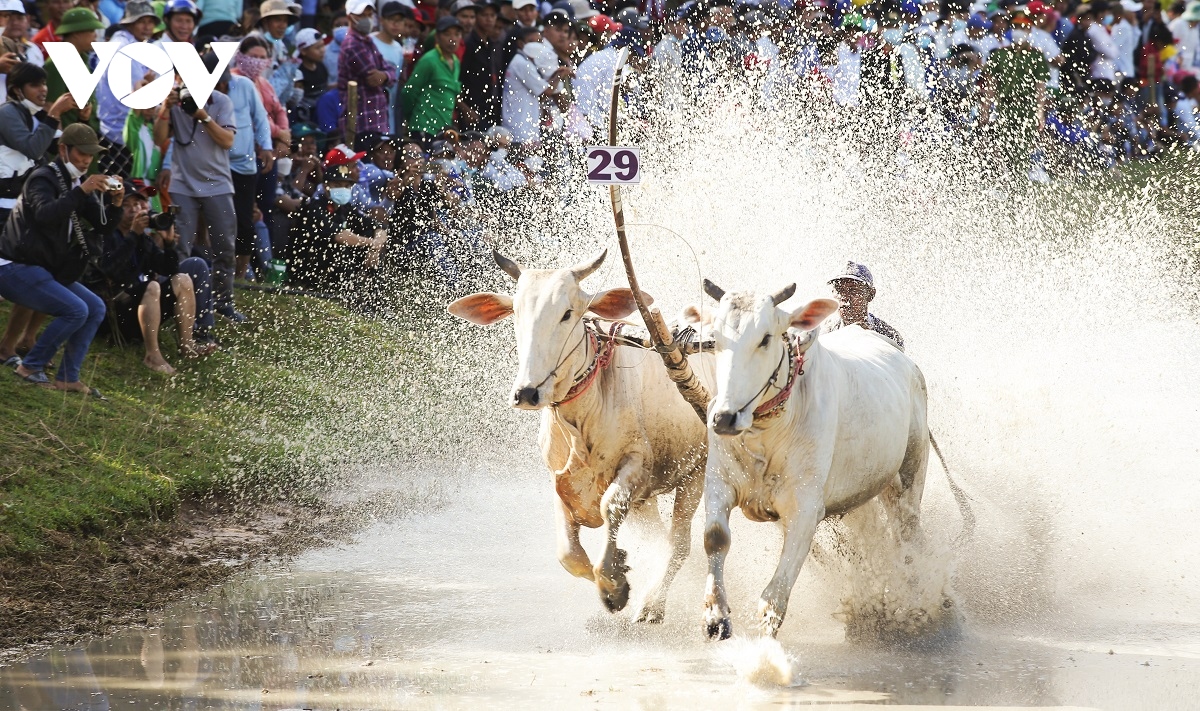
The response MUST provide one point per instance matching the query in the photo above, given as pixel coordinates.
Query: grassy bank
(263, 418)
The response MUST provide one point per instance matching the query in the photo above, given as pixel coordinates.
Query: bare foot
(158, 364)
(75, 387)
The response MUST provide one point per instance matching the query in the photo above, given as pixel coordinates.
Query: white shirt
(1125, 37)
(1187, 39)
(1104, 66)
(1043, 41)
(593, 87)
(1185, 112)
(845, 76)
(521, 106)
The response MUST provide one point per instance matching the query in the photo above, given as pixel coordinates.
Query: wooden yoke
(678, 368)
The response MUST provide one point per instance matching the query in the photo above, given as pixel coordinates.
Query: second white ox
(615, 433)
(802, 428)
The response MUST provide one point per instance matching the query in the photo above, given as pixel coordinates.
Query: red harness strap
(775, 405)
(599, 363)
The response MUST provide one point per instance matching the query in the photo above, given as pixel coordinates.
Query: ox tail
(960, 497)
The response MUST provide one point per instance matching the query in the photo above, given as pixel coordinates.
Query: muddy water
(461, 604)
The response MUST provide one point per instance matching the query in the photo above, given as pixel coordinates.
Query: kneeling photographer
(140, 273)
(47, 243)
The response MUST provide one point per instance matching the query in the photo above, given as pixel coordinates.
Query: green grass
(265, 418)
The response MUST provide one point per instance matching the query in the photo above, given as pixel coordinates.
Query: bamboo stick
(351, 113)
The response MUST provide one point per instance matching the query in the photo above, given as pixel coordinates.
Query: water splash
(761, 661)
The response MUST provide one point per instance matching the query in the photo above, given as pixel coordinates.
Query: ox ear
(811, 315)
(483, 309)
(616, 303)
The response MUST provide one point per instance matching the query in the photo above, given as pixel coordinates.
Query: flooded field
(452, 608)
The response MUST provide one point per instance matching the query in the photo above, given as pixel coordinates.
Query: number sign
(614, 165)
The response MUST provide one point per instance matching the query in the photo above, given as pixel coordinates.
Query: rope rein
(775, 405)
(600, 360)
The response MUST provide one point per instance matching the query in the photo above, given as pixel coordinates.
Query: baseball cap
(583, 10)
(462, 5)
(393, 8)
(518, 4)
(447, 22)
(308, 36)
(357, 7)
(338, 155)
(855, 272)
(81, 137)
(1131, 6)
(1037, 7)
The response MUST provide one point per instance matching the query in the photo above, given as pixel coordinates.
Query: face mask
(870, 24)
(959, 25)
(339, 33)
(76, 173)
(340, 196)
(285, 166)
(1020, 36)
(1107, 20)
(363, 26)
(893, 36)
(33, 108)
(930, 18)
(250, 67)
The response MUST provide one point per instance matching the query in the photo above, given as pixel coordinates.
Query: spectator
(525, 15)
(180, 18)
(201, 184)
(55, 9)
(78, 28)
(341, 27)
(137, 25)
(44, 249)
(252, 62)
(1186, 29)
(482, 67)
(335, 247)
(140, 274)
(16, 33)
(361, 62)
(251, 153)
(394, 20)
(524, 89)
(377, 172)
(223, 17)
(314, 76)
(1126, 36)
(432, 92)
(274, 19)
(27, 129)
(1015, 79)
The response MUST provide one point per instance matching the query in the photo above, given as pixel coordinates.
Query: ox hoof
(615, 595)
(718, 630)
(652, 614)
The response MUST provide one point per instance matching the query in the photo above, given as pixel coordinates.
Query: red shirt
(46, 34)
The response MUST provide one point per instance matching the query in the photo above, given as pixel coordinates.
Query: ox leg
(570, 551)
(797, 540)
(687, 499)
(902, 499)
(614, 507)
(719, 500)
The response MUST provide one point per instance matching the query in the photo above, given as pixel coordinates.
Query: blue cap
(629, 37)
(979, 23)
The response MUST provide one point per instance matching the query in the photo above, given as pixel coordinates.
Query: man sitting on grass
(142, 277)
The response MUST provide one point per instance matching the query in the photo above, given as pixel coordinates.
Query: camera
(113, 183)
(163, 221)
(187, 102)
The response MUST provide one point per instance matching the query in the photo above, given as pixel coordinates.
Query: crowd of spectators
(349, 142)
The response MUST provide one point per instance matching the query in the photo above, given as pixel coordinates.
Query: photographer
(140, 273)
(45, 247)
(201, 182)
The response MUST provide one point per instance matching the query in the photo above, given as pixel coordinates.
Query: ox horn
(583, 271)
(716, 292)
(783, 294)
(510, 267)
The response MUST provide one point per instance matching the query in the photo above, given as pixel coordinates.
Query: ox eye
(567, 316)
(766, 341)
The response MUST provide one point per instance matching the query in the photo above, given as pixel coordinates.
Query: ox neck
(790, 368)
(598, 357)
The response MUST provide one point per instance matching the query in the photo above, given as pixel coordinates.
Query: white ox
(614, 437)
(801, 428)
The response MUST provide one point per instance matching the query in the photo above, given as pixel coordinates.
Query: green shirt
(1016, 75)
(56, 87)
(430, 94)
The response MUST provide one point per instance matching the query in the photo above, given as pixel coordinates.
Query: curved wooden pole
(678, 368)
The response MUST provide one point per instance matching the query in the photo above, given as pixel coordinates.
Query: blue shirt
(113, 10)
(253, 128)
(112, 111)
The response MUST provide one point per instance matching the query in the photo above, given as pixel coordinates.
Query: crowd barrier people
(463, 106)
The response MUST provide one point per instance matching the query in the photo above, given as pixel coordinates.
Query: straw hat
(276, 8)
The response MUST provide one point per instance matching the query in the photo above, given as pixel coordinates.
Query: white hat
(356, 7)
(12, 6)
(308, 36)
(1131, 6)
(518, 4)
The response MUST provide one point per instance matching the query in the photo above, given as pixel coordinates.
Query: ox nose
(724, 423)
(526, 397)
